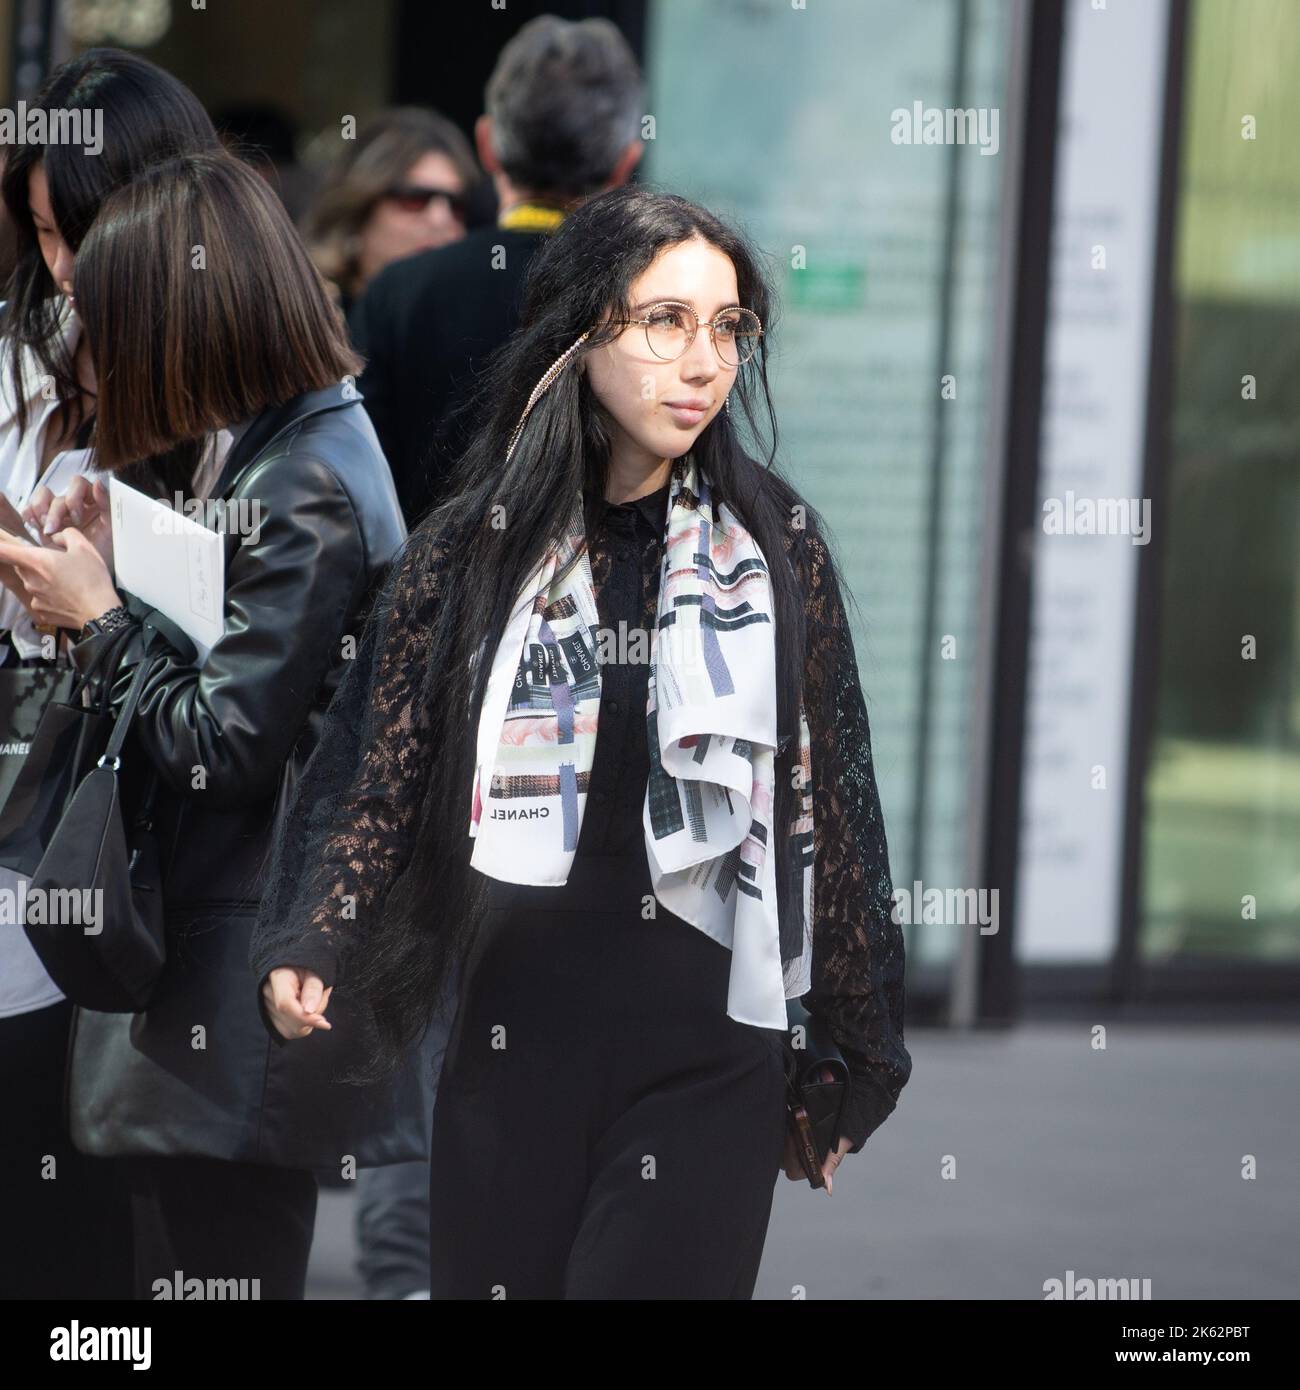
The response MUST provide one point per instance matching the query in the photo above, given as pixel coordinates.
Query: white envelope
(171, 562)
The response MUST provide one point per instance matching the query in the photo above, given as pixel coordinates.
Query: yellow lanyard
(531, 217)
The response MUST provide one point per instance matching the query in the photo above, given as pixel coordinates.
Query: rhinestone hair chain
(541, 388)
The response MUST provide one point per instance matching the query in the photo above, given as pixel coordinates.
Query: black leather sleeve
(221, 731)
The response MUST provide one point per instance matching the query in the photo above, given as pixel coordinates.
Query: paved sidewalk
(1125, 1163)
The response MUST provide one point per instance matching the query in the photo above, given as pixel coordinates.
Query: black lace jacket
(362, 791)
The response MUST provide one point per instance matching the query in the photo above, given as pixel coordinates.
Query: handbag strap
(105, 663)
(159, 631)
(122, 724)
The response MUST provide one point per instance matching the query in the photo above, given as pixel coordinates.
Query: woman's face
(399, 225)
(658, 409)
(56, 252)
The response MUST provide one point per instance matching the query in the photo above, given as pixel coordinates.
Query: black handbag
(102, 868)
(817, 1089)
(67, 739)
(26, 691)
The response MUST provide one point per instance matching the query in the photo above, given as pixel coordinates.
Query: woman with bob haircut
(203, 313)
(71, 1238)
(634, 906)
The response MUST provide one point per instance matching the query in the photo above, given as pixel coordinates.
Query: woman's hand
(66, 583)
(84, 505)
(295, 1001)
(794, 1168)
(13, 581)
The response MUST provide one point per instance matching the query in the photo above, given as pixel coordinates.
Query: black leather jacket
(196, 1073)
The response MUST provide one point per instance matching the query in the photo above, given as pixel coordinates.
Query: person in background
(67, 1236)
(401, 187)
(563, 119)
(219, 1142)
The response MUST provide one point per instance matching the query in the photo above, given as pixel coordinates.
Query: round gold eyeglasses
(671, 326)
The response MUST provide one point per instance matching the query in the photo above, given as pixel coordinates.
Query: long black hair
(579, 281)
(147, 115)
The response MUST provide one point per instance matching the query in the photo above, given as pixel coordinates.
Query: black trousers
(603, 1129)
(212, 1219)
(66, 1217)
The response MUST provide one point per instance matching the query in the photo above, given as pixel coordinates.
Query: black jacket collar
(267, 427)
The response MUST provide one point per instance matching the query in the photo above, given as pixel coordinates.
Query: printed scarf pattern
(711, 730)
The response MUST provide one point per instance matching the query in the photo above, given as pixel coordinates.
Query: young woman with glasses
(603, 749)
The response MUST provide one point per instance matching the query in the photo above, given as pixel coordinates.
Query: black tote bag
(66, 738)
(25, 694)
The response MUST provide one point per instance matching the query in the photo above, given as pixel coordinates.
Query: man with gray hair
(563, 121)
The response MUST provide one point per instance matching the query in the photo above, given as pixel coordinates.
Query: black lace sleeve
(857, 957)
(350, 825)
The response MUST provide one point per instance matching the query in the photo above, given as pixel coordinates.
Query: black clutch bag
(817, 1088)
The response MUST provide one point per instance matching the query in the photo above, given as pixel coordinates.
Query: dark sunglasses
(415, 197)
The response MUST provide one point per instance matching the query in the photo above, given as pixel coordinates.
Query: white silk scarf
(711, 730)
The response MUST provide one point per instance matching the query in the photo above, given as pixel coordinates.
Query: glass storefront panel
(1221, 867)
(872, 243)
